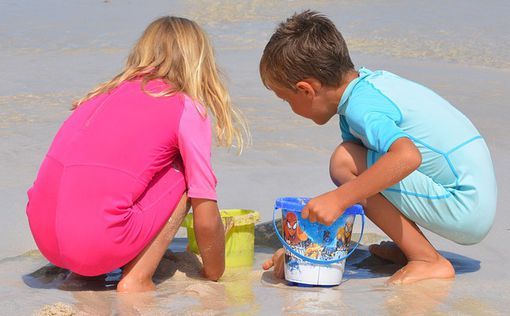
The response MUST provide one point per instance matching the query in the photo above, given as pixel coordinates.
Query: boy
(407, 155)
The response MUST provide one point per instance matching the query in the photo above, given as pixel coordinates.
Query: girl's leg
(423, 261)
(137, 275)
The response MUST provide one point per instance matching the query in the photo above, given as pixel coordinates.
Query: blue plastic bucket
(315, 253)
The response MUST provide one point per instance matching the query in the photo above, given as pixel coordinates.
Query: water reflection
(421, 298)
(180, 287)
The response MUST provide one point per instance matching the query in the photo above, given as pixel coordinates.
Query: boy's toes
(267, 264)
(389, 251)
(416, 271)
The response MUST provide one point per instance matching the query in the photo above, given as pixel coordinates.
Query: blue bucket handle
(356, 210)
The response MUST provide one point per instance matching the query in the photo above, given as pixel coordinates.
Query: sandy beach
(53, 52)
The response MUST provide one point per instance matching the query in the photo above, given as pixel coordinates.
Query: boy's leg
(424, 262)
(137, 274)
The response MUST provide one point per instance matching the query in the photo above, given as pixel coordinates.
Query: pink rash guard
(114, 174)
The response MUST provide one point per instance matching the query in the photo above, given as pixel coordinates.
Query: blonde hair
(178, 51)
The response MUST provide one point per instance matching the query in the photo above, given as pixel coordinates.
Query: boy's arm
(210, 236)
(401, 159)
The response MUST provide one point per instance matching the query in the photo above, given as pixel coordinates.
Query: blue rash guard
(453, 193)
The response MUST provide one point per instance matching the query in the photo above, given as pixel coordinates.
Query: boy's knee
(342, 167)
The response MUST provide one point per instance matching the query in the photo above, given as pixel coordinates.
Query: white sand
(53, 51)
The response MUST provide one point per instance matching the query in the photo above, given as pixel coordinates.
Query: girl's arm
(401, 159)
(210, 236)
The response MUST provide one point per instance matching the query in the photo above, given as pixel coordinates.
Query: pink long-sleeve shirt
(115, 172)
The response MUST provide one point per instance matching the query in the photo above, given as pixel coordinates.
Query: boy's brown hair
(306, 45)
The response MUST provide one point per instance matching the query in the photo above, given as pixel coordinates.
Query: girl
(116, 181)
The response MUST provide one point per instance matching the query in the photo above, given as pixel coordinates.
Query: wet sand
(180, 289)
(55, 51)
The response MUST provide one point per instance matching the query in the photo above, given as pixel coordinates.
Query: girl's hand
(277, 262)
(325, 208)
(210, 236)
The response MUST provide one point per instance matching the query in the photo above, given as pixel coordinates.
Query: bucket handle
(358, 211)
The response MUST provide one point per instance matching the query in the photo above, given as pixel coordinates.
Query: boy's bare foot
(278, 262)
(388, 250)
(129, 285)
(422, 270)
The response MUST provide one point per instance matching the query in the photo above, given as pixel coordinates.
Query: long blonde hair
(178, 51)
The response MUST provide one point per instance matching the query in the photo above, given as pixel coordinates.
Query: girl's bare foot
(389, 251)
(129, 285)
(422, 270)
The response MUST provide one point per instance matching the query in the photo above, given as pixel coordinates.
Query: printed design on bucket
(314, 240)
(314, 253)
(292, 232)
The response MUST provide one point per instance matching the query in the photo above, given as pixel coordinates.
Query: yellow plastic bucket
(239, 236)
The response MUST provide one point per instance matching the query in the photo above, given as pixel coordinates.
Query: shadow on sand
(363, 265)
(360, 265)
(53, 277)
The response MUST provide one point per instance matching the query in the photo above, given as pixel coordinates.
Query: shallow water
(242, 290)
(53, 51)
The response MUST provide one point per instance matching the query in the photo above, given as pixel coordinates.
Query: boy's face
(304, 101)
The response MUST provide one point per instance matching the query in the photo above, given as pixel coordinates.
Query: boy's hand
(277, 262)
(325, 208)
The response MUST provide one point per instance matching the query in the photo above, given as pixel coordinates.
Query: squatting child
(123, 169)
(409, 156)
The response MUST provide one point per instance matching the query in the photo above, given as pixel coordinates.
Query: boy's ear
(308, 86)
